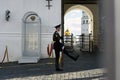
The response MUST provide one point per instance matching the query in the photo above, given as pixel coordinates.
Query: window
(87, 21)
(83, 21)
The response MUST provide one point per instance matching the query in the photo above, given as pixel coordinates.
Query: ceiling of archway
(80, 1)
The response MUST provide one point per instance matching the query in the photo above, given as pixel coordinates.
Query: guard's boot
(58, 69)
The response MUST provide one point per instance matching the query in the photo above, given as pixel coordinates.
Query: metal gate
(84, 42)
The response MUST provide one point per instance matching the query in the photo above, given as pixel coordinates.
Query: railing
(68, 40)
(84, 42)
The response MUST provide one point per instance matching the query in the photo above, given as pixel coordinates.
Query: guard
(59, 47)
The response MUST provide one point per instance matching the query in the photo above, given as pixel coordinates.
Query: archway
(78, 8)
(78, 20)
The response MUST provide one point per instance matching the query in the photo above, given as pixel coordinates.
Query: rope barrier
(50, 52)
(5, 54)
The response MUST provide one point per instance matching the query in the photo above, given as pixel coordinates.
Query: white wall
(10, 32)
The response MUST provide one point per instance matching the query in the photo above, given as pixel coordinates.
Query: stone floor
(87, 67)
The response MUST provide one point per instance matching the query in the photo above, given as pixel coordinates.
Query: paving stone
(87, 66)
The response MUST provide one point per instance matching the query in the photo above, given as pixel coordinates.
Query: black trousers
(58, 49)
(57, 55)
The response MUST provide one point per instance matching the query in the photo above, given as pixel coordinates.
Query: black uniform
(58, 47)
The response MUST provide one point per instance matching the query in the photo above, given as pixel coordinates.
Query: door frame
(26, 15)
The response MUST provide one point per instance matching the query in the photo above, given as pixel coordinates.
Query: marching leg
(74, 58)
(62, 62)
(57, 64)
(61, 59)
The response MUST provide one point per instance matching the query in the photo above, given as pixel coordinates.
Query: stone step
(28, 60)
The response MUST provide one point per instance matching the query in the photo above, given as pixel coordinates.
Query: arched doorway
(31, 36)
(83, 12)
(78, 21)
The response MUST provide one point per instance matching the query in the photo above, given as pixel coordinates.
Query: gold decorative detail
(67, 32)
(32, 18)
